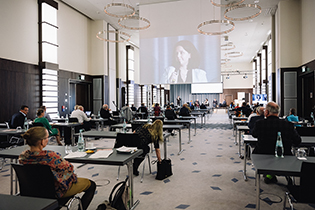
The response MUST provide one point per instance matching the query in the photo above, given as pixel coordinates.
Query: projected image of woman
(185, 68)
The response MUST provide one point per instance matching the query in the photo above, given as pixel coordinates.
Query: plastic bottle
(67, 118)
(279, 146)
(312, 116)
(58, 115)
(124, 126)
(148, 118)
(25, 124)
(241, 113)
(81, 144)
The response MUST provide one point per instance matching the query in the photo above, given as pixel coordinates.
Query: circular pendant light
(207, 23)
(128, 37)
(122, 5)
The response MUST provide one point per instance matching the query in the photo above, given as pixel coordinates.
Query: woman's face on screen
(182, 55)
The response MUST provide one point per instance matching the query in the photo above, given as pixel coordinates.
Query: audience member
(157, 110)
(184, 111)
(170, 114)
(243, 109)
(52, 131)
(126, 113)
(18, 119)
(67, 183)
(259, 116)
(206, 102)
(266, 131)
(172, 105)
(292, 117)
(215, 103)
(143, 109)
(133, 108)
(203, 106)
(223, 104)
(105, 114)
(46, 114)
(232, 105)
(178, 100)
(148, 133)
(82, 118)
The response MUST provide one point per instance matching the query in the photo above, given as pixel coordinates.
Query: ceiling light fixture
(128, 37)
(209, 22)
(227, 5)
(228, 46)
(133, 11)
(134, 18)
(233, 54)
(242, 6)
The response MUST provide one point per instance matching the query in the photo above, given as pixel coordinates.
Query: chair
(37, 124)
(73, 119)
(130, 140)
(305, 192)
(37, 180)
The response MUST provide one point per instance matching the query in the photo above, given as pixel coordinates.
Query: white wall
(73, 40)
(308, 30)
(19, 30)
(237, 81)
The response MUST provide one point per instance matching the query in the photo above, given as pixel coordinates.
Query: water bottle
(98, 114)
(241, 113)
(67, 118)
(81, 145)
(279, 146)
(124, 126)
(148, 118)
(25, 124)
(312, 116)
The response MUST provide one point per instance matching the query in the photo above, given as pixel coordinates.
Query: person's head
(24, 109)
(105, 106)
(185, 53)
(156, 130)
(36, 136)
(260, 111)
(157, 104)
(244, 104)
(43, 107)
(272, 109)
(76, 107)
(132, 105)
(142, 104)
(40, 113)
(293, 111)
(168, 107)
(81, 108)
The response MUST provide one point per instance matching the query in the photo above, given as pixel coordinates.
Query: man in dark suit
(266, 131)
(19, 118)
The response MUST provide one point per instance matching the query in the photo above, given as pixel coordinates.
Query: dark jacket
(184, 111)
(252, 121)
(17, 120)
(170, 114)
(105, 114)
(266, 131)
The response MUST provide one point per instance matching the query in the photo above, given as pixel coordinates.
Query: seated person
(105, 114)
(18, 119)
(143, 109)
(46, 114)
(126, 113)
(215, 103)
(243, 109)
(148, 133)
(52, 131)
(169, 113)
(259, 116)
(292, 117)
(184, 111)
(157, 110)
(133, 108)
(203, 106)
(82, 118)
(172, 105)
(66, 181)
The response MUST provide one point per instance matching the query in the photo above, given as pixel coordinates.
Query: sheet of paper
(127, 149)
(75, 154)
(102, 153)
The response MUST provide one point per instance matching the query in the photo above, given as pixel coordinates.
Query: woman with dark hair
(52, 131)
(185, 67)
(157, 110)
(67, 183)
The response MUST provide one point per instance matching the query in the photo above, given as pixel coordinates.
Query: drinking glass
(68, 149)
(301, 153)
(18, 129)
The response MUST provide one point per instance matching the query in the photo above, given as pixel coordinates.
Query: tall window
(130, 74)
(269, 70)
(48, 53)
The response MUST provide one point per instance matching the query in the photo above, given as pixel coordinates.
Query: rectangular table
(239, 129)
(71, 125)
(179, 121)
(165, 127)
(10, 132)
(99, 123)
(269, 164)
(27, 203)
(115, 158)
(189, 118)
(201, 112)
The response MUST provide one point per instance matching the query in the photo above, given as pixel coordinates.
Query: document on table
(75, 154)
(124, 149)
(102, 153)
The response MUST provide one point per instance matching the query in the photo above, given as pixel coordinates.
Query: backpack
(121, 198)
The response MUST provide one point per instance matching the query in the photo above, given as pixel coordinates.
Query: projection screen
(172, 51)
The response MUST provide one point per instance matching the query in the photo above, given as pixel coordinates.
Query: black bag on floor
(164, 169)
(121, 198)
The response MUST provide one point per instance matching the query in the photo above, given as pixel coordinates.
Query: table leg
(130, 182)
(195, 125)
(245, 157)
(72, 136)
(235, 142)
(11, 178)
(165, 147)
(189, 139)
(97, 126)
(257, 191)
(102, 126)
(239, 144)
(180, 141)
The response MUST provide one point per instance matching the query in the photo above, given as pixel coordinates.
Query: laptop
(88, 113)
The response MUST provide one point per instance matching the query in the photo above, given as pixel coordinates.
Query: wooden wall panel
(227, 93)
(19, 85)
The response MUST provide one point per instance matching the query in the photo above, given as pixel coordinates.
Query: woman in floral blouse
(66, 181)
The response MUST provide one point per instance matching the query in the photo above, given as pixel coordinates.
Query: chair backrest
(35, 180)
(7, 124)
(134, 126)
(37, 124)
(306, 131)
(115, 113)
(73, 119)
(307, 182)
(127, 139)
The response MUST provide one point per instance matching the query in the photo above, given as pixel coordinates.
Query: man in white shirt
(82, 118)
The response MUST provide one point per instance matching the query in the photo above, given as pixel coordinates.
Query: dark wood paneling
(232, 93)
(19, 84)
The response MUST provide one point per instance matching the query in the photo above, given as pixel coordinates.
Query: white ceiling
(247, 36)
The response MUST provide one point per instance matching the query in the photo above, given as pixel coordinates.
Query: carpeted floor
(207, 175)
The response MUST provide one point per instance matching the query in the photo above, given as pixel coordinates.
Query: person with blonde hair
(148, 133)
(67, 183)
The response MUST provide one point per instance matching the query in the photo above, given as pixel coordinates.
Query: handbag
(164, 169)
